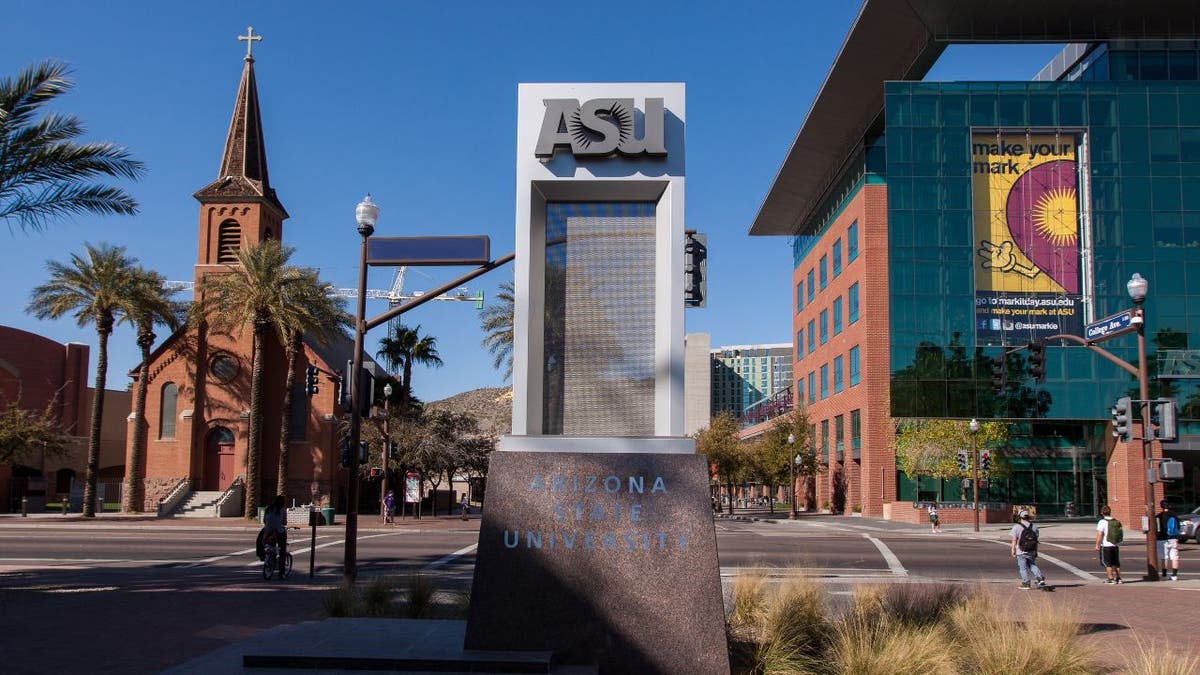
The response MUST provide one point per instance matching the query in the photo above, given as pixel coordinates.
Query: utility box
(1170, 470)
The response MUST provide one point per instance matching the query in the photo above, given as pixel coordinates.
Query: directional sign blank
(464, 250)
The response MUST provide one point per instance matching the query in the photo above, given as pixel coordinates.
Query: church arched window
(166, 417)
(229, 242)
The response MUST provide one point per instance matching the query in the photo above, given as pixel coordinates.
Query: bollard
(24, 507)
(66, 504)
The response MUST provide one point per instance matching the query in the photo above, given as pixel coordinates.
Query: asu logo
(601, 127)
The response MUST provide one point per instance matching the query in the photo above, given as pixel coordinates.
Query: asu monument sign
(597, 542)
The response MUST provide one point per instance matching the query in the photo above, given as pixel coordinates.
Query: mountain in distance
(492, 406)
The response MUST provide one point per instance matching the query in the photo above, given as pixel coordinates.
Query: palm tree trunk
(406, 387)
(103, 329)
(254, 444)
(285, 427)
(135, 481)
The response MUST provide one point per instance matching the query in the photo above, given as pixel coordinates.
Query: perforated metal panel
(598, 360)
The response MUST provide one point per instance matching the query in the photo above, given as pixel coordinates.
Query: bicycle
(271, 561)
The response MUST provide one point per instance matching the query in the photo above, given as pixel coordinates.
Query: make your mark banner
(1027, 244)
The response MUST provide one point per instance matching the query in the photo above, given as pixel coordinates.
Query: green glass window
(838, 383)
(812, 336)
(824, 381)
(812, 387)
(837, 257)
(800, 344)
(855, 429)
(812, 287)
(852, 302)
(852, 242)
(837, 315)
(854, 366)
(823, 271)
(824, 326)
(799, 296)
(839, 433)
(825, 440)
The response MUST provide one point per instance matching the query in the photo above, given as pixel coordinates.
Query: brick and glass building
(938, 226)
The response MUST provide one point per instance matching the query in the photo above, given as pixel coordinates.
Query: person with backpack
(1024, 535)
(1166, 535)
(935, 523)
(1109, 535)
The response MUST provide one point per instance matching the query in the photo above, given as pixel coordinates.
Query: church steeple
(243, 174)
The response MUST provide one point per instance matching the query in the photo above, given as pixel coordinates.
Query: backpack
(1116, 535)
(1172, 527)
(1027, 541)
(259, 546)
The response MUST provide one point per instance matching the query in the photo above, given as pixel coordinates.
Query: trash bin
(262, 510)
(327, 514)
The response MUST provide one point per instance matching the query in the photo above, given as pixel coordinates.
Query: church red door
(218, 460)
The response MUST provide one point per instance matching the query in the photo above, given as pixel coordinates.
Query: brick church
(198, 398)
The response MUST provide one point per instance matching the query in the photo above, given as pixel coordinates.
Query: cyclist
(275, 527)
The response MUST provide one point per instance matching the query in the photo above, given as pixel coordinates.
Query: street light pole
(387, 450)
(366, 214)
(1137, 287)
(973, 427)
(792, 467)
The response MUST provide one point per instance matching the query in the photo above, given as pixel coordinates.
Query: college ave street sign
(465, 250)
(1107, 327)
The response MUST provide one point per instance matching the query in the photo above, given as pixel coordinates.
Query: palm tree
(255, 292)
(148, 304)
(43, 172)
(496, 320)
(311, 310)
(401, 350)
(93, 287)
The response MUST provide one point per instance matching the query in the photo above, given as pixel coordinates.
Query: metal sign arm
(1099, 350)
(416, 302)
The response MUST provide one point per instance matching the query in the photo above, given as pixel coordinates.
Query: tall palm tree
(148, 304)
(44, 173)
(401, 350)
(496, 320)
(251, 293)
(311, 310)
(93, 287)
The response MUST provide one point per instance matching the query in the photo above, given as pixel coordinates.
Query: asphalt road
(127, 600)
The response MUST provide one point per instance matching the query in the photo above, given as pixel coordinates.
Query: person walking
(389, 507)
(465, 506)
(1166, 536)
(1024, 535)
(935, 523)
(1109, 535)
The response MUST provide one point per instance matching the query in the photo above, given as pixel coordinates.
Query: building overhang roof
(901, 40)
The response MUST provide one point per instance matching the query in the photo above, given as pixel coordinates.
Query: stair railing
(230, 503)
(175, 497)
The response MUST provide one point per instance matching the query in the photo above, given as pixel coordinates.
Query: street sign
(1108, 327)
(411, 251)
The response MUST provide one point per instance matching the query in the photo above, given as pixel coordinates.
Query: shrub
(340, 601)
(1047, 641)
(1158, 659)
(377, 597)
(748, 600)
(420, 593)
(921, 604)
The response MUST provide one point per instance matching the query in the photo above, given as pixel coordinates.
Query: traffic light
(1120, 419)
(963, 464)
(1037, 361)
(310, 381)
(999, 375)
(394, 451)
(1163, 416)
(985, 460)
(695, 267)
(364, 452)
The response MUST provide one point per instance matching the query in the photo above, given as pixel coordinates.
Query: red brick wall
(1127, 481)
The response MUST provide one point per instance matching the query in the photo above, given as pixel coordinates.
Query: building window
(229, 242)
(824, 326)
(823, 271)
(837, 257)
(838, 383)
(812, 287)
(839, 433)
(825, 381)
(854, 374)
(837, 315)
(852, 242)
(800, 344)
(799, 391)
(812, 335)
(852, 302)
(812, 387)
(825, 440)
(169, 403)
(799, 296)
(855, 429)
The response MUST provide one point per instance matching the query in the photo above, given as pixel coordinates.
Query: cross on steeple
(250, 39)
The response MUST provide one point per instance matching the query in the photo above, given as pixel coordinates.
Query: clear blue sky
(416, 104)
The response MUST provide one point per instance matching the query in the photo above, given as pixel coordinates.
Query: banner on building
(1027, 243)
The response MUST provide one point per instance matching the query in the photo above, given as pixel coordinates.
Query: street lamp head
(973, 425)
(797, 459)
(387, 390)
(1137, 287)
(366, 214)
(791, 439)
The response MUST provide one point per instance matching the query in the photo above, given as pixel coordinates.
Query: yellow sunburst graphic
(1055, 216)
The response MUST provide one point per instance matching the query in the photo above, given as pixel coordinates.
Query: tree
(401, 350)
(149, 303)
(94, 287)
(930, 447)
(308, 309)
(719, 442)
(778, 455)
(254, 292)
(496, 320)
(44, 173)
(23, 432)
